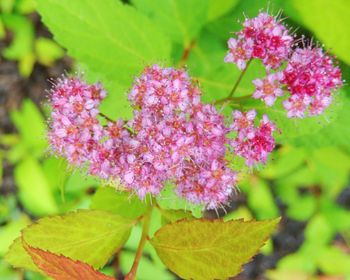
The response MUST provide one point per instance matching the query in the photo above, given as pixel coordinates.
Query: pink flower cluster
(262, 37)
(310, 76)
(173, 137)
(252, 143)
(75, 131)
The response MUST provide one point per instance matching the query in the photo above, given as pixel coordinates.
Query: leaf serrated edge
(275, 223)
(51, 217)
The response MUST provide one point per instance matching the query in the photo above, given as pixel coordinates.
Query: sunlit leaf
(90, 236)
(210, 249)
(118, 41)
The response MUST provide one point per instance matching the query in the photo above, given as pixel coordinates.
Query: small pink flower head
(256, 143)
(269, 88)
(297, 105)
(243, 123)
(74, 127)
(312, 78)
(209, 184)
(164, 90)
(263, 37)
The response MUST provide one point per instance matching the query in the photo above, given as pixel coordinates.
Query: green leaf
(171, 216)
(90, 236)
(31, 126)
(11, 231)
(210, 249)
(34, 190)
(329, 20)
(168, 199)
(118, 202)
(23, 36)
(260, 199)
(335, 134)
(223, 26)
(286, 160)
(217, 9)
(180, 19)
(333, 261)
(118, 41)
(18, 257)
(47, 51)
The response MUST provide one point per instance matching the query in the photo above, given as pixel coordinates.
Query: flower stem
(106, 117)
(235, 86)
(145, 228)
(233, 99)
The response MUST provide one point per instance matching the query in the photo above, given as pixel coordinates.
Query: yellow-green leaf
(90, 236)
(210, 249)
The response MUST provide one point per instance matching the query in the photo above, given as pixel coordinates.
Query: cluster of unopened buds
(175, 138)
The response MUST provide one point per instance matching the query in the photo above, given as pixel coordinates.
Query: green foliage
(328, 24)
(24, 47)
(180, 245)
(112, 42)
(117, 40)
(217, 9)
(180, 19)
(90, 236)
(37, 197)
(118, 202)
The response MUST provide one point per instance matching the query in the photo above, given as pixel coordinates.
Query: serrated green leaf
(118, 41)
(34, 189)
(90, 236)
(329, 20)
(210, 249)
(19, 258)
(180, 19)
(118, 202)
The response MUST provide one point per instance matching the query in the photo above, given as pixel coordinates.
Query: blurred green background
(306, 180)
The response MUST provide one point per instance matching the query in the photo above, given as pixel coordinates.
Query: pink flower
(262, 37)
(269, 88)
(296, 105)
(312, 78)
(253, 143)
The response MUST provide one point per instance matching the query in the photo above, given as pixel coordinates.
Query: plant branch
(235, 86)
(106, 117)
(145, 228)
(232, 99)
